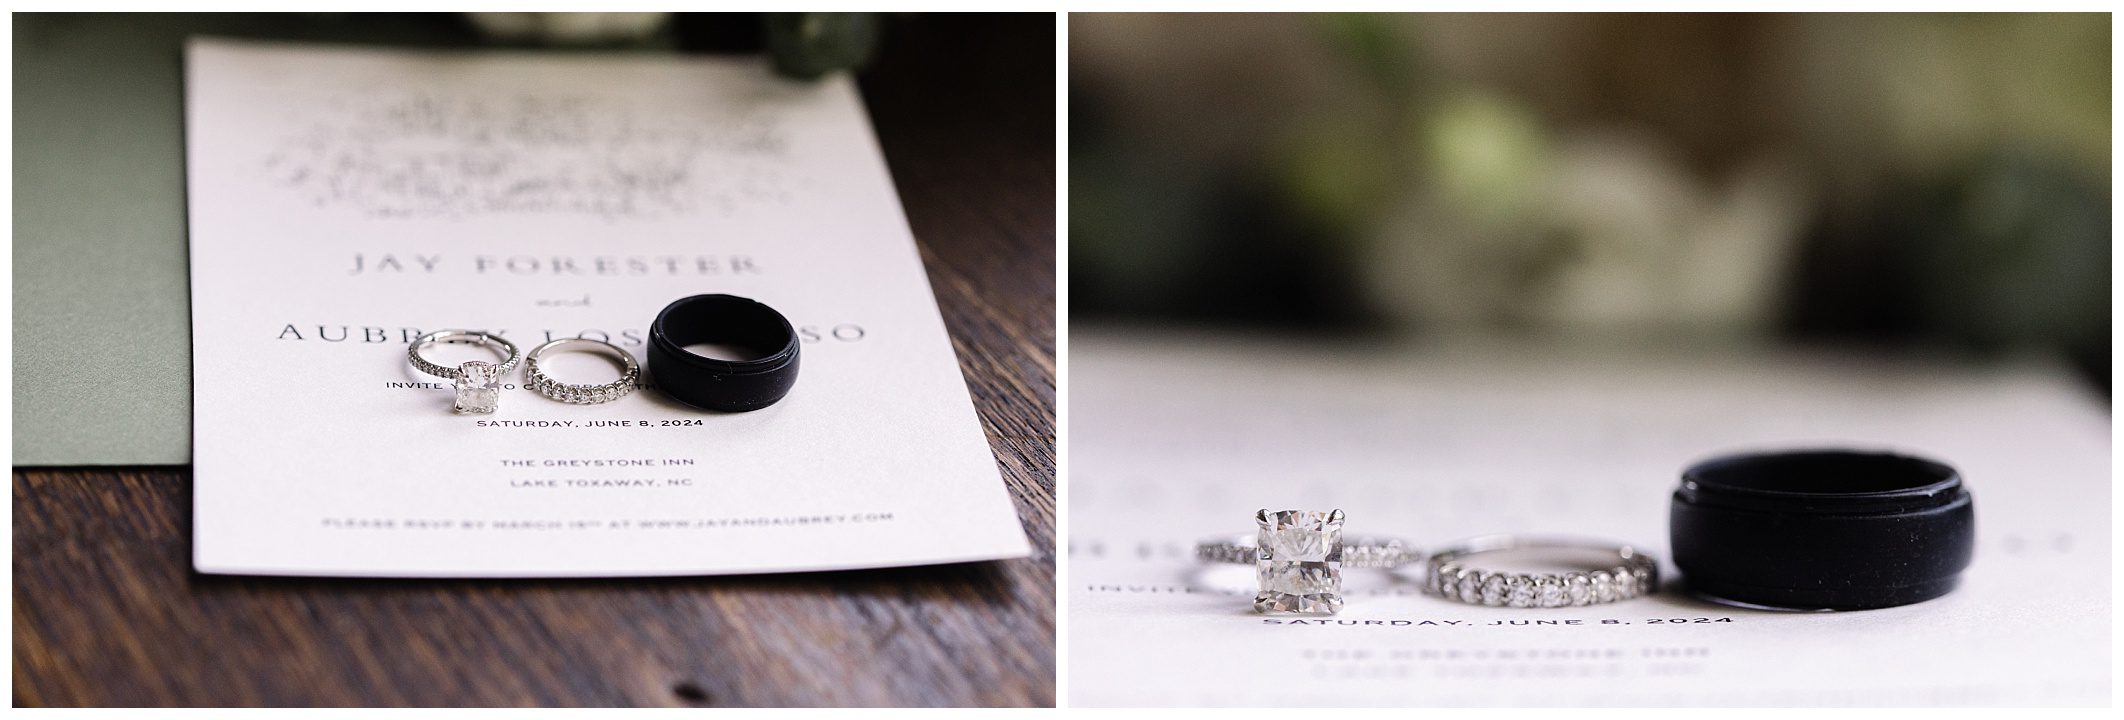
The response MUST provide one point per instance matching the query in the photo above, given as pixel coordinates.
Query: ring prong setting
(1300, 566)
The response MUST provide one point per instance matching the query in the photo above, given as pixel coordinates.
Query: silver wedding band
(630, 373)
(1453, 575)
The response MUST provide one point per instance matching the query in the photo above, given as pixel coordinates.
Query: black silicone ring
(1829, 529)
(726, 385)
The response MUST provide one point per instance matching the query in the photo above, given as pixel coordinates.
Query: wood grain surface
(108, 612)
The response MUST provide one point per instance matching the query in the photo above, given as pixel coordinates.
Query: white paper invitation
(344, 201)
(1182, 436)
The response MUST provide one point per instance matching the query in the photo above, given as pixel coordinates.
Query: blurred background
(1928, 183)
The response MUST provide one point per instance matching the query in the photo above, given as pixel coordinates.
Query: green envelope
(102, 317)
(102, 322)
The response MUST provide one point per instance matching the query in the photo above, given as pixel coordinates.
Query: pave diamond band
(630, 373)
(1451, 576)
(1357, 552)
(462, 337)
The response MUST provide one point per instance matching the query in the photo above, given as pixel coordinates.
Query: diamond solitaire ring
(478, 382)
(1624, 573)
(1298, 557)
(582, 394)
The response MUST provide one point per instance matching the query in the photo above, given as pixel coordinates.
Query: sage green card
(102, 327)
(102, 312)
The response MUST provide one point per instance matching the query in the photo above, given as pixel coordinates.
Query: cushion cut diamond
(1300, 566)
(478, 388)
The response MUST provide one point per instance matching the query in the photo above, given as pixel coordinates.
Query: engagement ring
(478, 382)
(1298, 557)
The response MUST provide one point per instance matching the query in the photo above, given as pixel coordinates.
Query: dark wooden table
(108, 611)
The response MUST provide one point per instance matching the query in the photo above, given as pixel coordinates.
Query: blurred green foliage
(812, 45)
(1930, 178)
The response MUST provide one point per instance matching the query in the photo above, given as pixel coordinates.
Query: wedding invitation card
(345, 201)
